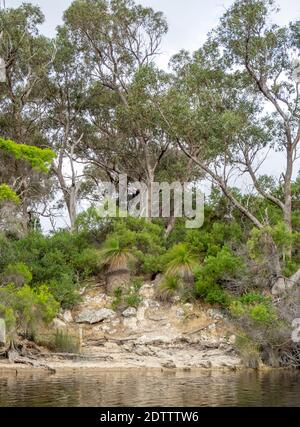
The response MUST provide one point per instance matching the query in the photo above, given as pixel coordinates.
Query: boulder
(147, 291)
(95, 316)
(130, 312)
(2, 332)
(58, 324)
(130, 323)
(66, 316)
(215, 314)
(180, 312)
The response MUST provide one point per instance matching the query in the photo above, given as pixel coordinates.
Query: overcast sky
(189, 20)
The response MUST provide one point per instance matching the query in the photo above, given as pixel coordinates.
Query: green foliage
(26, 308)
(215, 271)
(8, 195)
(128, 298)
(17, 274)
(181, 262)
(170, 286)
(38, 158)
(257, 308)
(114, 256)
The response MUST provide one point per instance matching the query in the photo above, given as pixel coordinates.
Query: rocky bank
(153, 335)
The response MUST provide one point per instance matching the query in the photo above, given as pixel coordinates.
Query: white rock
(95, 316)
(147, 291)
(66, 316)
(2, 332)
(215, 314)
(188, 306)
(130, 312)
(140, 314)
(58, 324)
(130, 323)
(232, 339)
(149, 303)
(180, 312)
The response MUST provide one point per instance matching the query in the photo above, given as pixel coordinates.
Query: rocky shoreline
(154, 335)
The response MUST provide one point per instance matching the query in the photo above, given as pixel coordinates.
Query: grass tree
(115, 259)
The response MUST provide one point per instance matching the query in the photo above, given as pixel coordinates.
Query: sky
(189, 22)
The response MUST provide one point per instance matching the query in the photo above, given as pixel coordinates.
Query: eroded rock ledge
(153, 335)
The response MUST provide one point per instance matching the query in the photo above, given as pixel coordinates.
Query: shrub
(262, 313)
(170, 286)
(181, 262)
(17, 273)
(65, 291)
(26, 308)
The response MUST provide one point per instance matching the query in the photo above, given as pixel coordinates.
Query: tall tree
(27, 56)
(220, 114)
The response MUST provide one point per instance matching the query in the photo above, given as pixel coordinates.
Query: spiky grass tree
(181, 263)
(115, 260)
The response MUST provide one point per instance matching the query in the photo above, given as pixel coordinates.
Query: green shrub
(262, 313)
(169, 287)
(26, 308)
(17, 273)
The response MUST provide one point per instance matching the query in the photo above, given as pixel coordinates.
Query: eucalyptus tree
(27, 56)
(119, 41)
(64, 124)
(234, 104)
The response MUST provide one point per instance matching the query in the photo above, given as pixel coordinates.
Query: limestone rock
(2, 332)
(58, 324)
(232, 340)
(66, 316)
(95, 316)
(215, 314)
(147, 291)
(149, 303)
(130, 312)
(130, 323)
(180, 312)
(169, 364)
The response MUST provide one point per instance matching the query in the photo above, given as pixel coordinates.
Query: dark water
(146, 388)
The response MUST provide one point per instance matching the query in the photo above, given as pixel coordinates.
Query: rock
(130, 312)
(180, 312)
(212, 327)
(232, 340)
(215, 314)
(149, 303)
(188, 306)
(82, 291)
(66, 316)
(147, 291)
(140, 314)
(95, 316)
(169, 364)
(130, 323)
(2, 332)
(58, 324)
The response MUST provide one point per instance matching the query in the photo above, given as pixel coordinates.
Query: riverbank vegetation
(92, 104)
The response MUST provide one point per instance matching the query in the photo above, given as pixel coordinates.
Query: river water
(151, 388)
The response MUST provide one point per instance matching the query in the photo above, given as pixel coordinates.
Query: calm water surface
(146, 388)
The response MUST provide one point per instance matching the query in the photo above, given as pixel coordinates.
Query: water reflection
(151, 388)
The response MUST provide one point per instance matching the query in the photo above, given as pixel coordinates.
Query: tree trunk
(117, 279)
